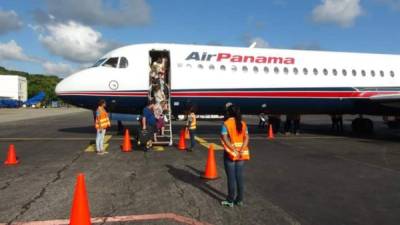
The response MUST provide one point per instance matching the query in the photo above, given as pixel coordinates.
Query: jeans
(100, 140)
(234, 173)
(192, 134)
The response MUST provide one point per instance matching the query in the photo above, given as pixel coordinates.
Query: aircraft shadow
(196, 181)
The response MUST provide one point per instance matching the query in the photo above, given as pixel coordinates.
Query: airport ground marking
(114, 219)
(158, 148)
(206, 144)
(92, 146)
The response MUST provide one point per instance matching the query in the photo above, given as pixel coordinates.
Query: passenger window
(234, 68)
(123, 62)
(305, 71)
(286, 70)
(200, 66)
(211, 67)
(334, 71)
(315, 71)
(325, 72)
(266, 69)
(189, 65)
(392, 73)
(255, 69)
(111, 62)
(372, 73)
(382, 73)
(245, 69)
(222, 67)
(180, 64)
(295, 71)
(363, 73)
(344, 72)
(276, 70)
(354, 72)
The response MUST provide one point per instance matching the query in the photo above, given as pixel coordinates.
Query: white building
(13, 87)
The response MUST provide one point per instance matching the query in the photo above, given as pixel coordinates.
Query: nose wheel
(362, 126)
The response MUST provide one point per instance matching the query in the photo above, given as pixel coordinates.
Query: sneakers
(227, 204)
(102, 152)
(239, 203)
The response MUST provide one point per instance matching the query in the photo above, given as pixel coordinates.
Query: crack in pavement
(5, 186)
(107, 215)
(181, 193)
(28, 205)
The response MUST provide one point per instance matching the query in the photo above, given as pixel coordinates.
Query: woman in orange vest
(235, 139)
(102, 122)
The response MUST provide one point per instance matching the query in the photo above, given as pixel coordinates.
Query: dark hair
(193, 109)
(151, 102)
(234, 111)
(101, 102)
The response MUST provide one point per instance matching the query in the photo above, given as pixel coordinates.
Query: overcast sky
(61, 36)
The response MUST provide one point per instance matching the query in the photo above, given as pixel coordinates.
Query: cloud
(260, 42)
(61, 69)
(12, 51)
(98, 12)
(341, 12)
(74, 41)
(9, 21)
(394, 4)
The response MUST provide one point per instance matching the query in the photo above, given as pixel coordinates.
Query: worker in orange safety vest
(235, 139)
(102, 122)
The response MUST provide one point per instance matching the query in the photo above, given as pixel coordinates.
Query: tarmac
(319, 177)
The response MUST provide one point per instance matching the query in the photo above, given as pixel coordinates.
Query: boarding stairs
(167, 138)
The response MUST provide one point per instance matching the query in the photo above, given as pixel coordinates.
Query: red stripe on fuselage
(242, 94)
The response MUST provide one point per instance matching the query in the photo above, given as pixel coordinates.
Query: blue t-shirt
(149, 115)
(225, 131)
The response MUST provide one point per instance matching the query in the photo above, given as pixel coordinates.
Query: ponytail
(234, 111)
(238, 120)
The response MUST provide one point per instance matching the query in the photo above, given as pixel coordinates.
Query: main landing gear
(362, 126)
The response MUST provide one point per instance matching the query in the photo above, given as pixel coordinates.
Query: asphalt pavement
(318, 177)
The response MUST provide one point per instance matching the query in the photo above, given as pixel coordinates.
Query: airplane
(274, 81)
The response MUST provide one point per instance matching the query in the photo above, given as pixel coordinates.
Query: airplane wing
(389, 100)
(386, 98)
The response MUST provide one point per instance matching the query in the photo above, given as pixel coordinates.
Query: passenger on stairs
(158, 94)
(148, 120)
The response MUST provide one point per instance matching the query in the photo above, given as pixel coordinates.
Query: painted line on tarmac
(283, 138)
(92, 147)
(158, 148)
(46, 139)
(206, 144)
(113, 219)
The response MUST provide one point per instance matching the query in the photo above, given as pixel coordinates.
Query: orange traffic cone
(271, 132)
(11, 156)
(126, 144)
(182, 143)
(211, 165)
(80, 214)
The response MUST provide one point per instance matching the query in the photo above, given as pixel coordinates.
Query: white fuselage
(274, 80)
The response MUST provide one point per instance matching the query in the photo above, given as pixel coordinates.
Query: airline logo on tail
(227, 57)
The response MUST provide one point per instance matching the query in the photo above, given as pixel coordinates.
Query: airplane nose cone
(60, 87)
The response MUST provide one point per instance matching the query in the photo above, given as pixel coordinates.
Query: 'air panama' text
(224, 57)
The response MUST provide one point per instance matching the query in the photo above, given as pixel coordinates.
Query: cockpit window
(99, 62)
(111, 62)
(123, 62)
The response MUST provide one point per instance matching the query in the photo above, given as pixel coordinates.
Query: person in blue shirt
(149, 121)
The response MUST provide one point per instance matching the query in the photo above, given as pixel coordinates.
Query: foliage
(36, 83)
